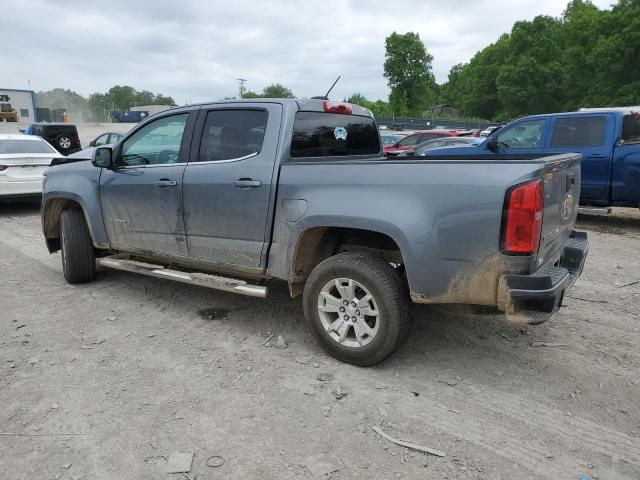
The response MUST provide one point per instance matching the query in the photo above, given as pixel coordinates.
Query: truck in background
(7, 112)
(607, 138)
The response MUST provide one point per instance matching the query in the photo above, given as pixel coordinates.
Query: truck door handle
(246, 183)
(165, 182)
(597, 155)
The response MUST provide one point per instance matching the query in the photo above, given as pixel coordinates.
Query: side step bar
(117, 262)
(606, 210)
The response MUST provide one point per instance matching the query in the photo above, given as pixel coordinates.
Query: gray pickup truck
(227, 195)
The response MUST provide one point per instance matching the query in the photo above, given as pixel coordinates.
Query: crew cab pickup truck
(228, 195)
(607, 138)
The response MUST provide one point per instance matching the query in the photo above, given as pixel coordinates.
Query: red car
(410, 141)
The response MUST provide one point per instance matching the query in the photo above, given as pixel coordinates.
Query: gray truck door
(142, 197)
(228, 183)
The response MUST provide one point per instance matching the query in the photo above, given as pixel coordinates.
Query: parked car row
(420, 136)
(444, 142)
(25, 157)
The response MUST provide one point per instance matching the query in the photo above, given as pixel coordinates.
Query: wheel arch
(51, 210)
(317, 243)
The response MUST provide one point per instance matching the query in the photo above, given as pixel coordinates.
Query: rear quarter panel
(444, 215)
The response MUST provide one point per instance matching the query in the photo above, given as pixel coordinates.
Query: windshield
(24, 146)
(390, 139)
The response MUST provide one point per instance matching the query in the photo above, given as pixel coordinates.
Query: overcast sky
(194, 50)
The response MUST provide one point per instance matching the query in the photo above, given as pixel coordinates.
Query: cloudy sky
(194, 50)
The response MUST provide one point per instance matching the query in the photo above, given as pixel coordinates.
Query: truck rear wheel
(357, 307)
(78, 255)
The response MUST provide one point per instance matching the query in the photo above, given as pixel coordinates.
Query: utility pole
(241, 85)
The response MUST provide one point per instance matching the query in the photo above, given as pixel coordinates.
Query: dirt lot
(138, 368)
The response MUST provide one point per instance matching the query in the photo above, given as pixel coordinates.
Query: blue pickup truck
(607, 138)
(229, 195)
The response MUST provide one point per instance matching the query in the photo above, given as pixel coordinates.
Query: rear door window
(232, 134)
(585, 131)
(319, 134)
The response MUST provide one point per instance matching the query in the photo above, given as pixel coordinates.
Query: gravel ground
(139, 368)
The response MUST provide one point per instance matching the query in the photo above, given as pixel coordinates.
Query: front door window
(522, 135)
(157, 143)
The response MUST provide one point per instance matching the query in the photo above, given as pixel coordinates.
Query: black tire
(78, 255)
(387, 288)
(63, 143)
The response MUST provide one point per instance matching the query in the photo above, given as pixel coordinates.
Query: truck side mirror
(492, 143)
(102, 157)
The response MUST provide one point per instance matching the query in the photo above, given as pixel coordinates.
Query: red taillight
(337, 107)
(523, 219)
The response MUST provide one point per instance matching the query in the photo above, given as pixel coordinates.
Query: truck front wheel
(357, 307)
(78, 255)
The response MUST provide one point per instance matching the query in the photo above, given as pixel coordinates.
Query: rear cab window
(586, 131)
(321, 134)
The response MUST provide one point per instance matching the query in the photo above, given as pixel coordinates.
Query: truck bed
(445, 215)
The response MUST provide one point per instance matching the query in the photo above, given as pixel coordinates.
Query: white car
(23, 160)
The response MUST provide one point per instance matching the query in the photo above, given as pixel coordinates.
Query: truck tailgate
(561, 177)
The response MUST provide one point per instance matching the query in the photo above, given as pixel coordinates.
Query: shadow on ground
(21, 208)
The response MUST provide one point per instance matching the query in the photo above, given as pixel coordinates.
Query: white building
(23, 101)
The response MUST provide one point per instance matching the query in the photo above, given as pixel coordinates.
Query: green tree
(250, 94)
(530, 79)
(379, 108)
(277, 90)
(75, 104)
(586, 58)
(408, 71)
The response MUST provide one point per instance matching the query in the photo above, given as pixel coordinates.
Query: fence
(427, 123)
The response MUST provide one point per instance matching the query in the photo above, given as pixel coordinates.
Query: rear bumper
(534, 298)
(17, 188)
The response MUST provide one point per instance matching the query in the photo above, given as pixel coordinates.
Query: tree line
(586, 58)
(97, 106)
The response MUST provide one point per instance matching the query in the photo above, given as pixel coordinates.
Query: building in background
(17, 104)
(150, 109)
(443, 110)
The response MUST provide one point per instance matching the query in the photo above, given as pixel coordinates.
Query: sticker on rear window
(340, 133)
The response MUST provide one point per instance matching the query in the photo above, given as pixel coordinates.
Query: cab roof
(305, 104)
